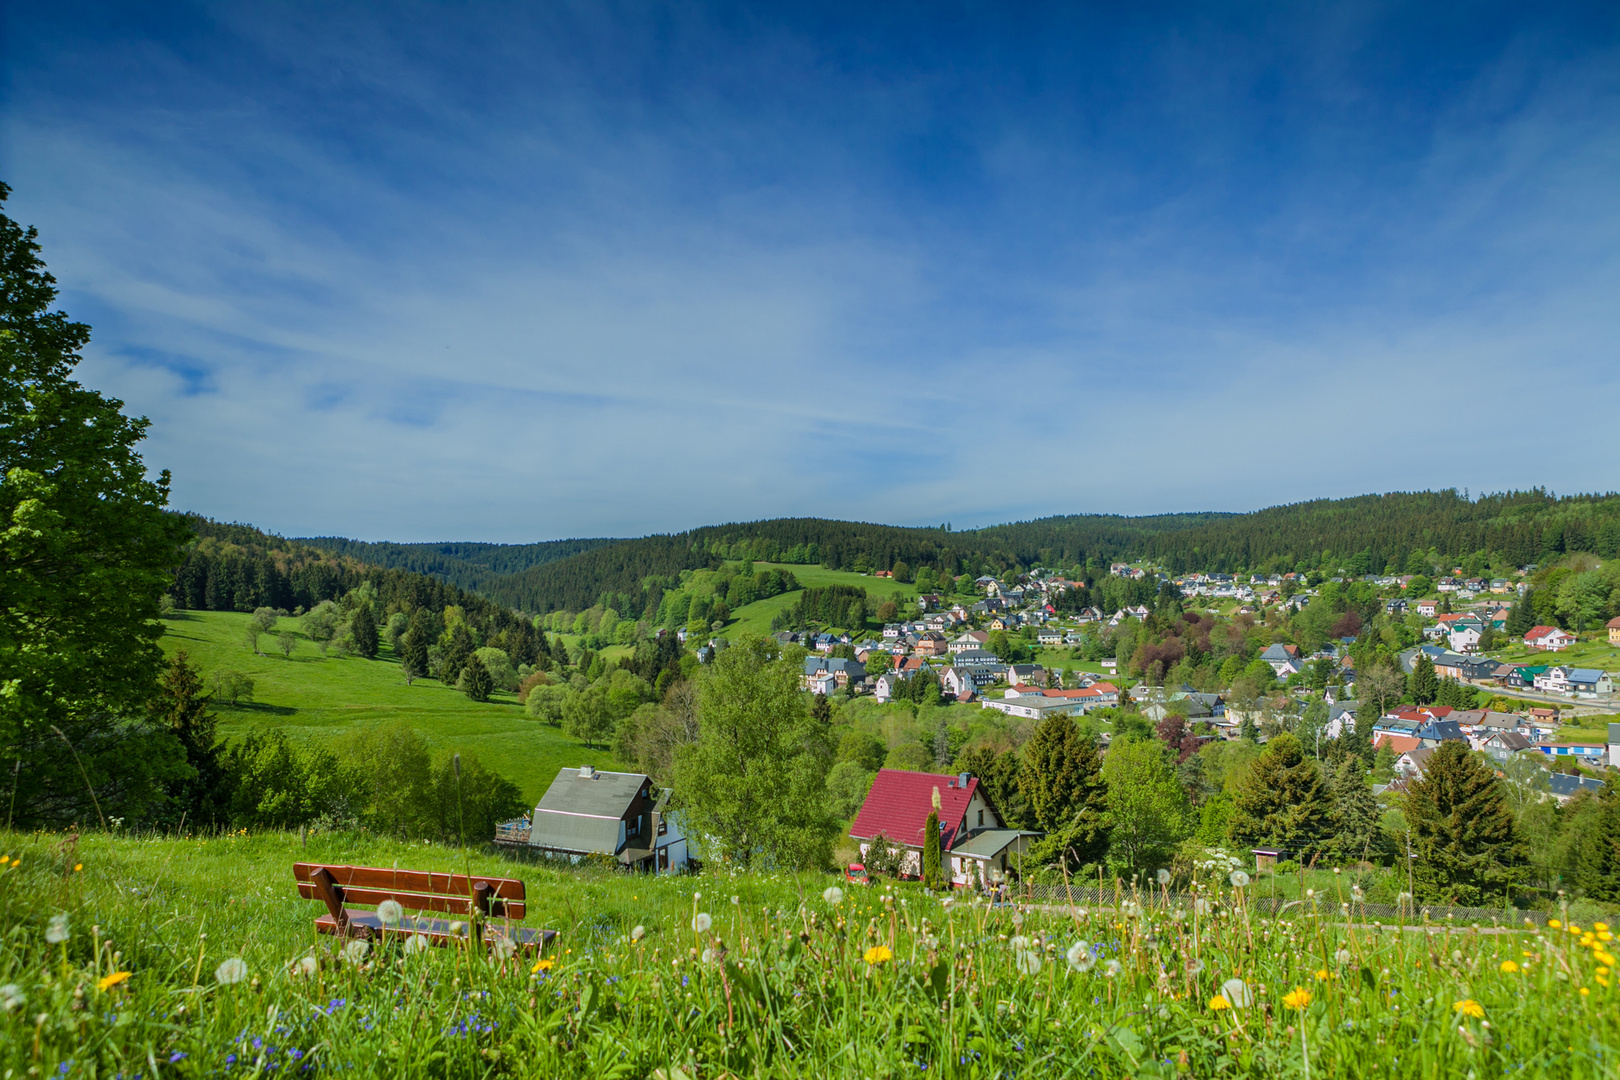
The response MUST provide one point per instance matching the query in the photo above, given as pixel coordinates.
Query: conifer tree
(182, 707)
(458, 646)
(1522, 619)
(1062, 785)
(1283, 801)
(1461, 829)
(413, 654)
(931, 873)
(1597, 861)
(1424, 684)
(1357, 832)
(476, 679)
(363, 629)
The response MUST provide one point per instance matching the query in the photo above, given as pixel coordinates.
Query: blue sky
(516, 272)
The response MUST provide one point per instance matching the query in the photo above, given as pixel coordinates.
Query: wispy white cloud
(612, 272)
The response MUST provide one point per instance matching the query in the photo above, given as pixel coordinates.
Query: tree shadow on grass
(255, 708)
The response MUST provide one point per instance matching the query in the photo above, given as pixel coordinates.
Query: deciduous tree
(754, 781)
(86, 550)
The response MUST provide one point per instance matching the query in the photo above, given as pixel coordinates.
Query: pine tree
(1424, 684)
(1357, 817)
(1283, 801)
(1522, 619)
(1597, 860)
(931, 872)
(203, 797)
(363, 629)
(458, 646)
(413, 655)
(476, 679)
(1462, 829)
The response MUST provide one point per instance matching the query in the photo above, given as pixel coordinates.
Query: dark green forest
(467, 564)
(1365, 534)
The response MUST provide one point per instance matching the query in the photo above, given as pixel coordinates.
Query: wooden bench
(490, 903)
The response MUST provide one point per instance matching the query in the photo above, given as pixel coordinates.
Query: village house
(1549, 638)
(1284, 659)
(586, 812)
(973, 639)
(1614, 630)
(1574, 681)
(840, 670)
(1428, 608)
(975, 845)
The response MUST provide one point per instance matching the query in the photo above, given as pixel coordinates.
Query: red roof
(1105, 688)
(899, 802)
(1540, 631)
(1399, 744)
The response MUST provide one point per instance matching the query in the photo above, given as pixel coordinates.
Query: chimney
(587, 772)
(963, 778)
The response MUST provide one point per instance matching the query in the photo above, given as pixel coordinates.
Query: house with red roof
(1549, 638)
(975, 844)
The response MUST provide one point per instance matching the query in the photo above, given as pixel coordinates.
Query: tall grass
(784, 979)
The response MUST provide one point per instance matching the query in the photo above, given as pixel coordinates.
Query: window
(632, 827)
(981, 817)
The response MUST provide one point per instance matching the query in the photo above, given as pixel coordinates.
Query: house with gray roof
(615, 815)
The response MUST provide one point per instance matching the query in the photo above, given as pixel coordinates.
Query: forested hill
(235, 567)
(1362, 534)
(469, 565)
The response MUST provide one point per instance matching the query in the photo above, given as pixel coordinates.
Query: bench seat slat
(455, 905)
(436, 931)
(417, 881)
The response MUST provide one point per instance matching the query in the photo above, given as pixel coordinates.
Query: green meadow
(311, 696)
(756, 618)
(151, 956)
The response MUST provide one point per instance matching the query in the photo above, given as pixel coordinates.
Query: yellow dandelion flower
(1218, 1003)
(1554, 923)
(1604, 956)
(1585, 992)
(77, 867)
(542, 965)
(1469, 1007)
(1323, 975)
(1603, 982)
(1600, 926)
(1297, 998)
(878, 954)
(107, 982)
(1605, 937)
(1602, 970)
(1509, 967)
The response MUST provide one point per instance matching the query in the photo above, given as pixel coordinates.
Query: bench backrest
(500, 898)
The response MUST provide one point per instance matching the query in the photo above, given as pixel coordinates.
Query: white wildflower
(304, 967)
(416, 943)
(231, 971)
(736, 900)
(1112, 968)
(503, 947)
(638, 933)
(1239, 879)
(701, 922)
(1164, 877)
(1237, 993)
(355, 951)
(1342, 956)
(708, 956)
(56, 931)
(390, 912)
(458, 928)
(12, 997)
(1081, 957)
(1029, 963)
(1194, 966)
(1019, 943)
(1201, 906)
(833, 895)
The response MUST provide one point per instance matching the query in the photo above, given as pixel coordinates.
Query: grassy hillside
(791, 982)
(317, 697)
(756, 618)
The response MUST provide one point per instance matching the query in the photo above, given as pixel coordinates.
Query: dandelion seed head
(833, 895)
(231, 971)
(390, 912)
(57, 930)
(701, 922)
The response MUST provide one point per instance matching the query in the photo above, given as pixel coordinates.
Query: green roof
(987, 843)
